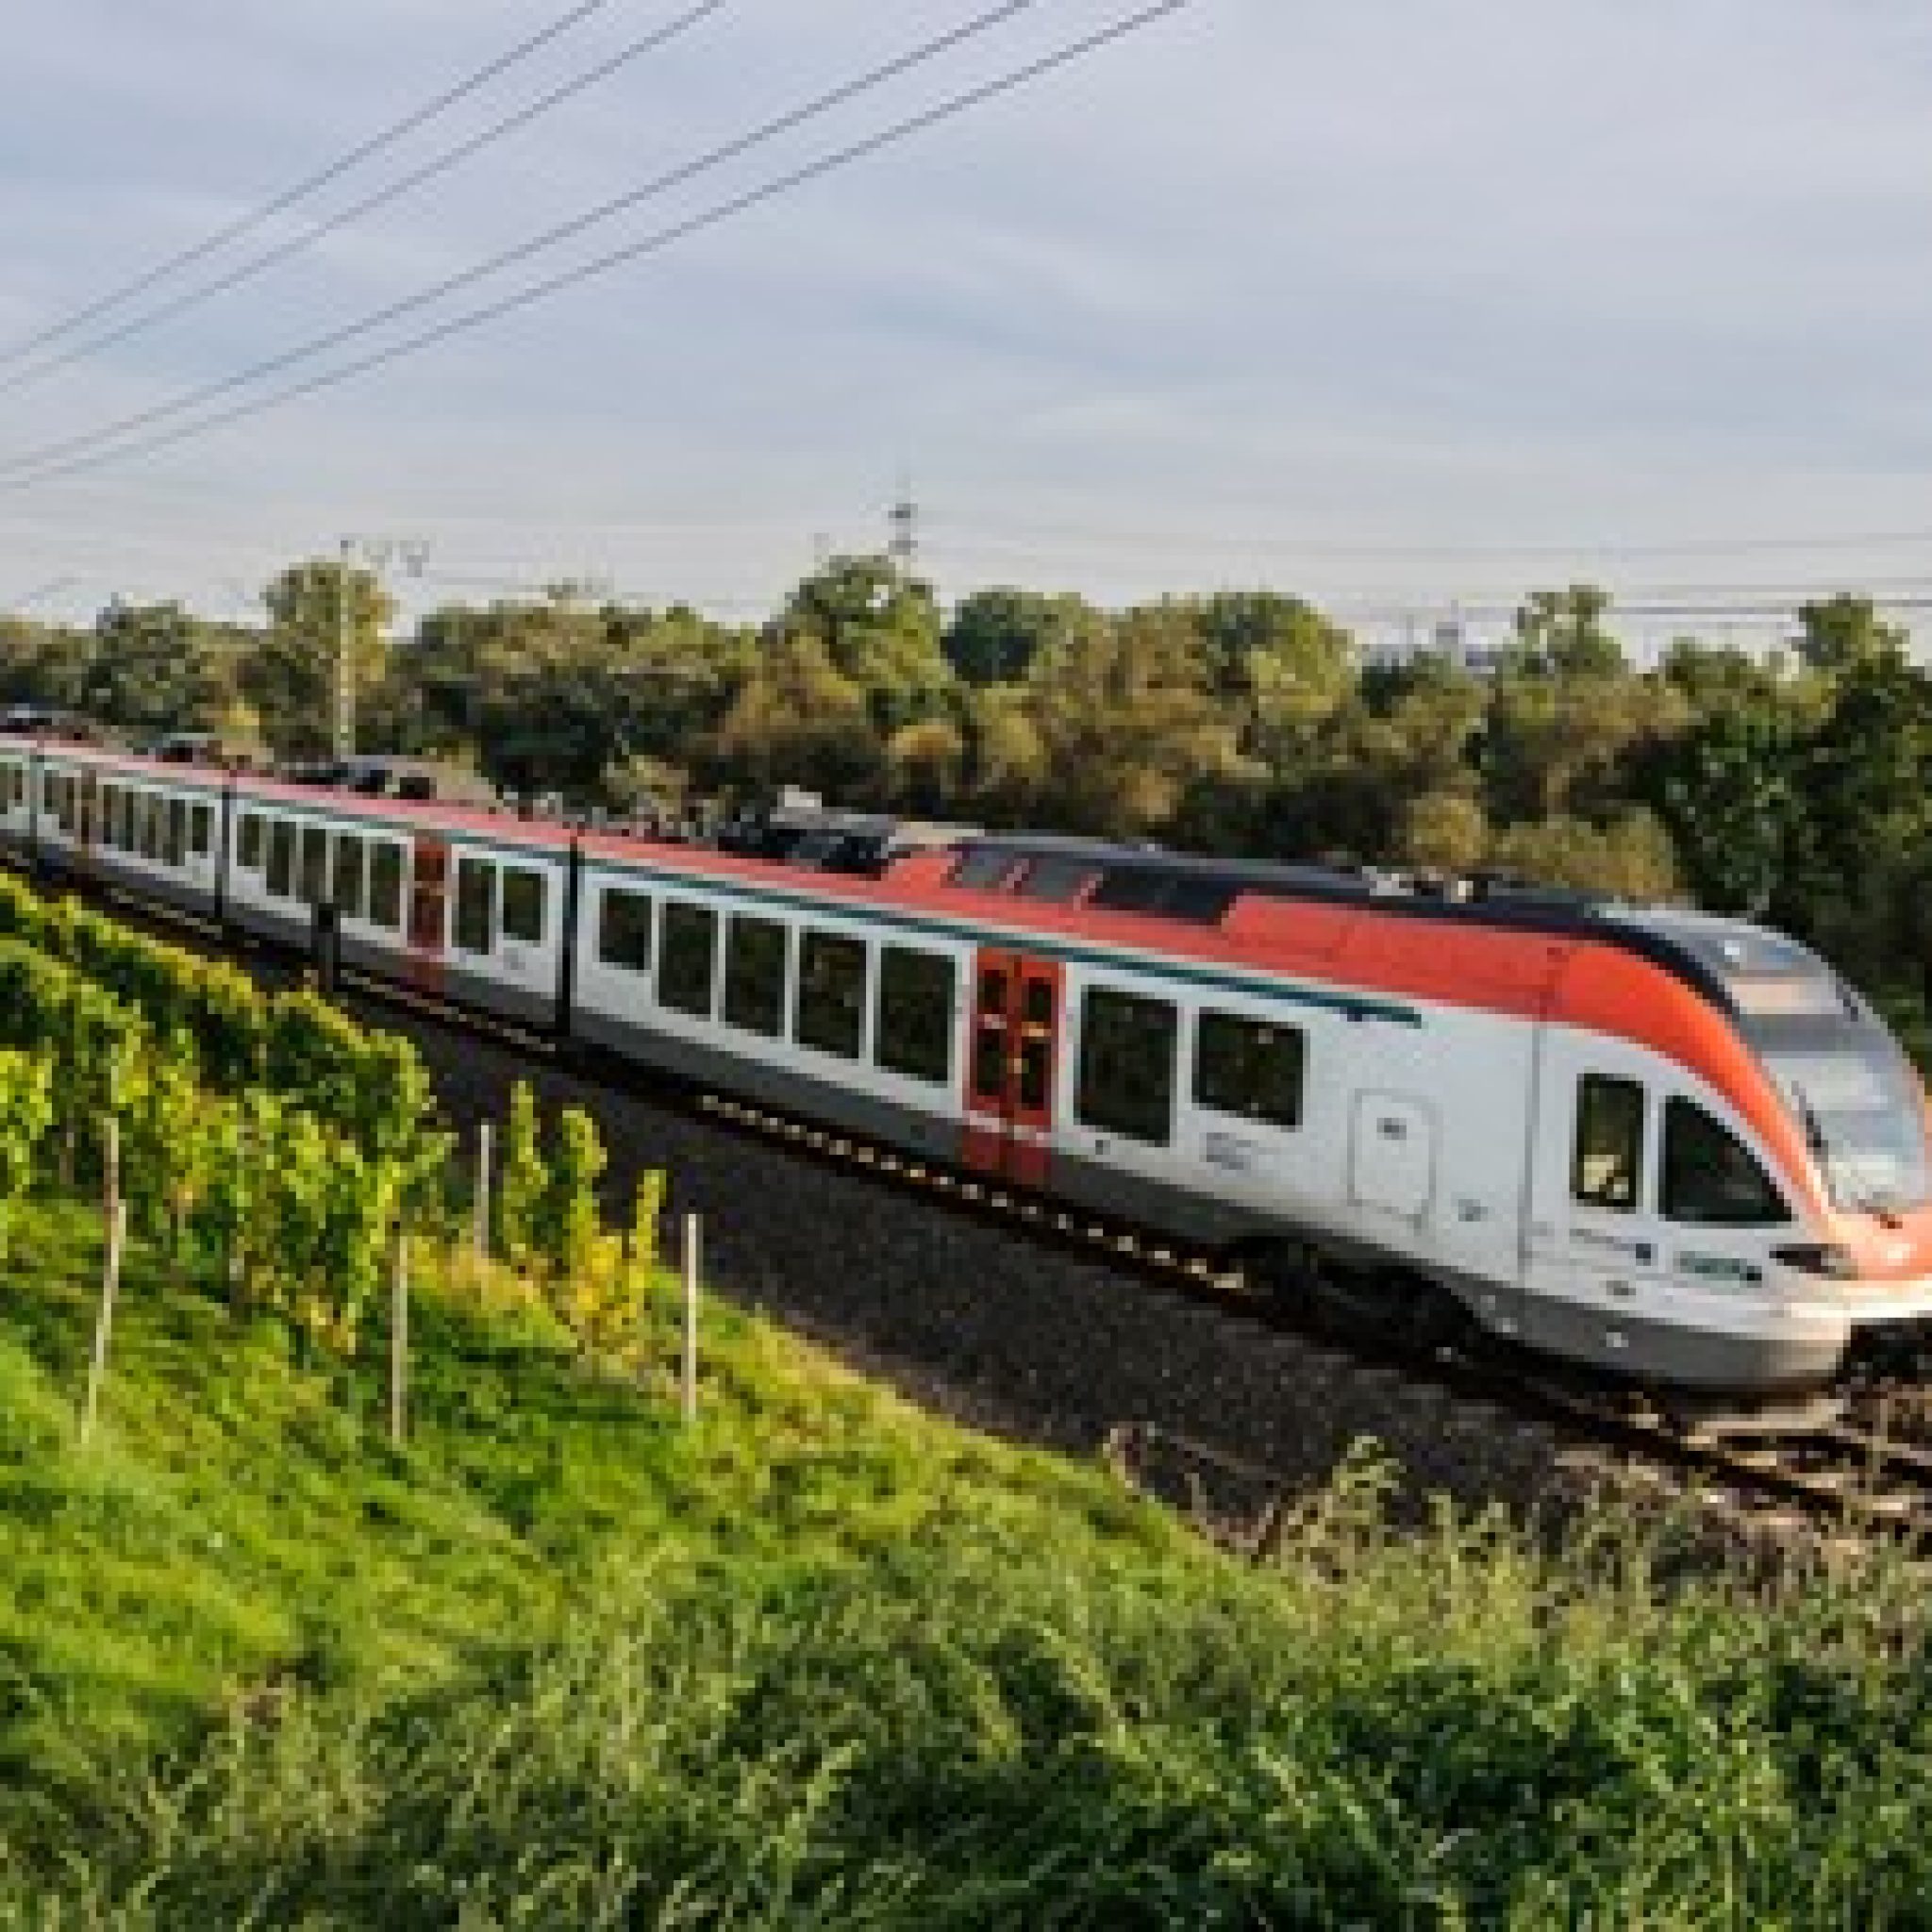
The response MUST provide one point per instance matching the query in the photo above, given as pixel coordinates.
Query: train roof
(1065, 882)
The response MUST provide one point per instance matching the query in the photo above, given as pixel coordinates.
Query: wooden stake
(114, 1217)
(399, 1342)
(479, 1233)
(694, 1238)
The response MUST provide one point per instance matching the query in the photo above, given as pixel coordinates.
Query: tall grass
(823, 1661)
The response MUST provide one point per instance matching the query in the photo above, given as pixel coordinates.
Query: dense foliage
(1235, 722)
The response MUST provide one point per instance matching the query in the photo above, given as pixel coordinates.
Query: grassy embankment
(822, 1660)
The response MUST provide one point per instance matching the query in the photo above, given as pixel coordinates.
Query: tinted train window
(685, 967)
(281, 858)
(1130, 891)
(1252, 1068)
(176, 851)
(915, 1016)
(248, 842)
(982, 870)
(314, 865)
(831, 992)
(153, 825)
(475, 929)
(1126, 1064)
(523, 905)
(349, 876)
(201, 830)
(754, 967)
(1709, 1177)
(385, 886)
(623, 931)
(1609, 1167)
(1057, 881)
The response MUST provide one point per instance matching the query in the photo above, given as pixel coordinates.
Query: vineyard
(270, 1142)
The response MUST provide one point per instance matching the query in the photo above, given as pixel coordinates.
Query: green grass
(824, 1661)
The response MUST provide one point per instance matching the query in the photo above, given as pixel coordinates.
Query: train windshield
(1859, 1102)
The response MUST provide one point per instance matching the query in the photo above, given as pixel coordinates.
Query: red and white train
(1673, 1145)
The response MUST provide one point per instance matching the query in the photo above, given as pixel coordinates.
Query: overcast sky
(1389, 302)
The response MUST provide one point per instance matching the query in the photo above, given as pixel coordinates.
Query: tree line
(1791, 789)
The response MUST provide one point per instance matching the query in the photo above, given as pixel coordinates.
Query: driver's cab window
(1607, 1171)
(1710, 1178)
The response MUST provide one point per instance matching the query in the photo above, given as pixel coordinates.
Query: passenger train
(1672, 1146)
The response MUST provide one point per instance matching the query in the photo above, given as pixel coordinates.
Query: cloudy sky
(1393, 302)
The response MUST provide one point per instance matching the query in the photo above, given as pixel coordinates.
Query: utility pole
(377, 553)
(904, 518)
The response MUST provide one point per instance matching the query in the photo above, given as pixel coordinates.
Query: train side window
(154, 827)
(1126, 1064)
(385, 886)
(475, 927)
(351, 867)
(314, 864)
(281, 858)
(623, 931)
(755, 972)
(831, 992)
(915, 1014)
(689, 958)
(523, 905)
(1609, 1167)
(175, 852)
(201, 830)
(1710, 1178)
(248, 842)
(1252, 1068)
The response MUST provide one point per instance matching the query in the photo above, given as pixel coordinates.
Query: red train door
(428, 901)
(1009, 1082)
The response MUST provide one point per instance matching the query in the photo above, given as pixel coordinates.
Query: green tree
(289, 675)
(1126, 724)
(1845, 633)
(1731, 789)
(797, 719)
(994, 636)
(1630, 858)
(879, 629)
(153, 668)
(1566, 632)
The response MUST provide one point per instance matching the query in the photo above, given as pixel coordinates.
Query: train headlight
(1818, 1257)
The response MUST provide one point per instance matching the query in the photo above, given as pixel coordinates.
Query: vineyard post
(479, 1232)
(692, 1242)
(399, 1341)
(115, 1216)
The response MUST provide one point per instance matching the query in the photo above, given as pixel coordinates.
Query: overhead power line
(108, 443)
(981, 536)
(309, 184)
(441, 164)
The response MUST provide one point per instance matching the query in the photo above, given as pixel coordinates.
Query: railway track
(1818, 1467)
